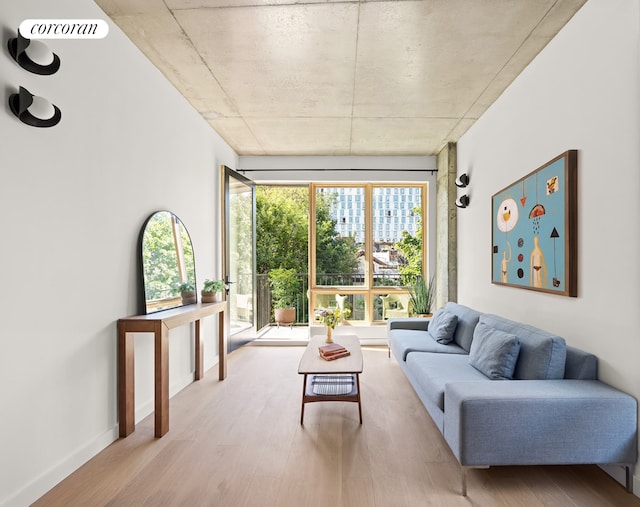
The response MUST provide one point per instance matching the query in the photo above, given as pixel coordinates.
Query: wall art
(534, 229)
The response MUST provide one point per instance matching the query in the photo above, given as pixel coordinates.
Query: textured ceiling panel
(282, 77)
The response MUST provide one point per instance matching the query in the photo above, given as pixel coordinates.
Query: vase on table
(329, 330)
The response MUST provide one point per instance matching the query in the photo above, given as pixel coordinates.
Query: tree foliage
(282, 222)
(161, 268)
(410, 247)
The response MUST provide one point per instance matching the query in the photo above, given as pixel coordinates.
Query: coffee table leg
(304, 388)
(359, 404)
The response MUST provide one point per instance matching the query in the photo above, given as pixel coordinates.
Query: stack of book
(333, 351)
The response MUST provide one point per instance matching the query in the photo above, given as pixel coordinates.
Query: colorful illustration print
(533, 235)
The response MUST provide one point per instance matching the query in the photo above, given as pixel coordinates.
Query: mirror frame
(173, 302)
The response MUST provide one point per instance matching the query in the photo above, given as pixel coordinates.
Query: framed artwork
(534, 229)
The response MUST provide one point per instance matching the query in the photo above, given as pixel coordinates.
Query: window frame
(368, 289)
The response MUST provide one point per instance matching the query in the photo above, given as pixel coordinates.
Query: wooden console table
(159, 324)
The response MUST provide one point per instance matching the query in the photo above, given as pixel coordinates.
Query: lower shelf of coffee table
(331, 387)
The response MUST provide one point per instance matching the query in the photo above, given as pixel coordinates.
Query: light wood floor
(240, 443)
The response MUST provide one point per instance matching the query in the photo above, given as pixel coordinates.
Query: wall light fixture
(33, 110)
(462, 181)
(33, 55)
(463, 201)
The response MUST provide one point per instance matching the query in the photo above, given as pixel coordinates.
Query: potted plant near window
(285, 287)
(422, 294)
(212, 291)
(187, 292)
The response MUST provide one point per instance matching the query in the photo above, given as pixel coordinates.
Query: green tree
(282, 223)
(241, 212)
(161, 266)
(410, 247)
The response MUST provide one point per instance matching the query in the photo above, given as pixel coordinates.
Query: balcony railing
(264, 312)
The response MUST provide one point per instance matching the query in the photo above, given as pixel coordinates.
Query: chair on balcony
(244, 306)
(396, 306)
(341, 300)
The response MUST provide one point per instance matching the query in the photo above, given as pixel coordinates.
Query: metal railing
(264, 311)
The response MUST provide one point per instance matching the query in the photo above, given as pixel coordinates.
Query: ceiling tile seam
(195, 49)
(354, 79)
(501, 70)
(387, 117)
(235, 106)
(264, 6)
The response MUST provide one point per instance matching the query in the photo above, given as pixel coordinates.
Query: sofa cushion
(403, 341)
(467, 320)
(442, 326)
(429, 373)
(542, 354)
(494, 352)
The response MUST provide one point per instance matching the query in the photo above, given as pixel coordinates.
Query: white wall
(73, 199)
(580, 93)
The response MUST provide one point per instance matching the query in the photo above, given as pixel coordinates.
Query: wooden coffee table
(337, 380)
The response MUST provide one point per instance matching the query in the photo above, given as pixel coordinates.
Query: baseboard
(46, 481)
(43, 483)
(147, 407)
(619, 474)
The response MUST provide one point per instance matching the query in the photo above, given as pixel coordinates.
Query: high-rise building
(392, 212)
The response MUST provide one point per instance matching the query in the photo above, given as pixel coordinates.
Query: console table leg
(161, 380)
(199, 353)
(222, 347)
(126, 401)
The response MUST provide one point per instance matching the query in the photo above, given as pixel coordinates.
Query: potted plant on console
(421, 295)
(285, 287)
(187, 292)
(212, 291)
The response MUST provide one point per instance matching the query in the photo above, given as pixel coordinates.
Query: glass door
(239, 233)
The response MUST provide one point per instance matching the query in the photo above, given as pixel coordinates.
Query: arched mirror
(167, 263)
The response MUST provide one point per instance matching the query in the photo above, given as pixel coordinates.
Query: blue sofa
(506, 393)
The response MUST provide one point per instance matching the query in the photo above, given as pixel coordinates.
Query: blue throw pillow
(494, 353)
(442, 326)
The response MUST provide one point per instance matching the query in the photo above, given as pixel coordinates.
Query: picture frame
(534, 229)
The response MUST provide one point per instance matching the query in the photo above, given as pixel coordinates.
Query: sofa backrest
(467, 320)
(542, 354)
(580, 365)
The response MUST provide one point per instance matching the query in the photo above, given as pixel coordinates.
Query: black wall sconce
(463, 201)
(33, 110)
(462, 181)
(33, 55)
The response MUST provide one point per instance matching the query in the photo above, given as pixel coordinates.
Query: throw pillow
(442, 326)
(494, 353)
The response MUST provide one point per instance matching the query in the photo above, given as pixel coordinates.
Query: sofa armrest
(418, 324)
(534, 422)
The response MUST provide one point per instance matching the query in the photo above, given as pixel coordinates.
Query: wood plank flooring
(239, 442)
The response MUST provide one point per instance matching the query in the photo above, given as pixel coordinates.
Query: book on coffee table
(333, 351)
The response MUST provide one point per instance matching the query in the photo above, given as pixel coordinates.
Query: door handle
(227, 282)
